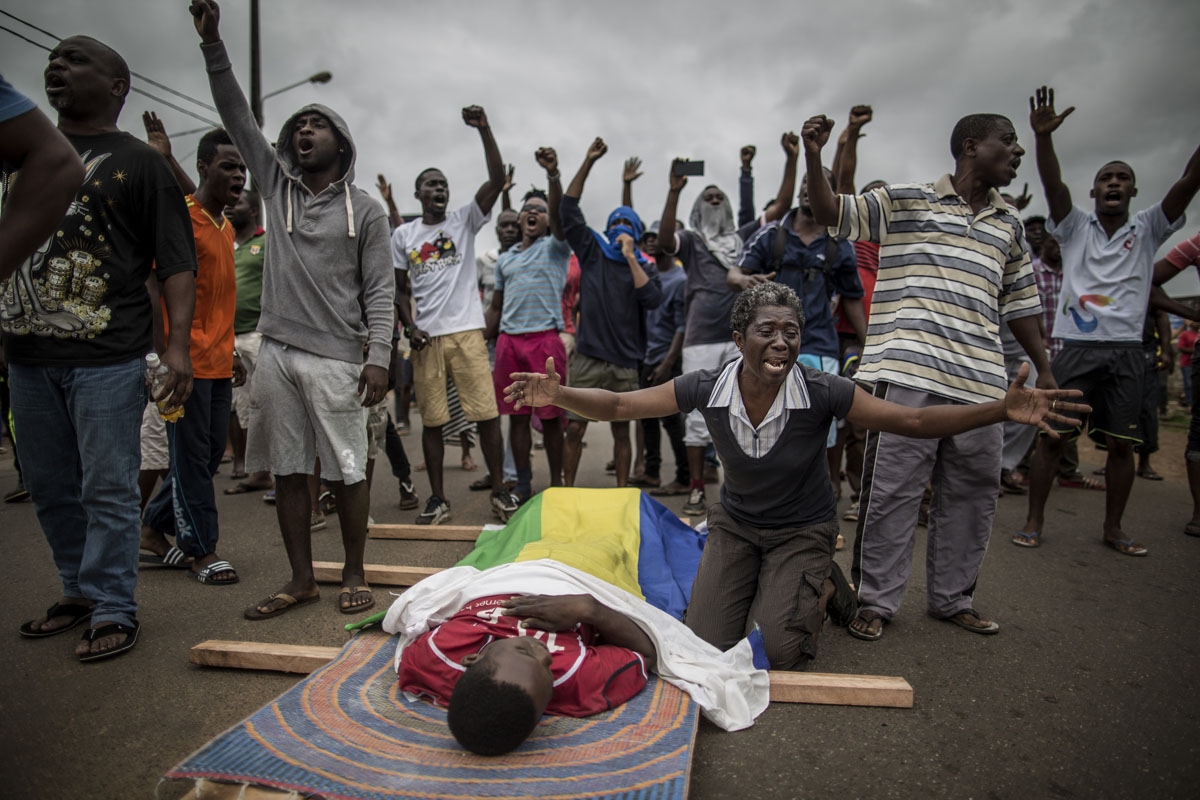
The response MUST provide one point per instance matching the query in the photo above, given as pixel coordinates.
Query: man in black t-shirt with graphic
(76, 319)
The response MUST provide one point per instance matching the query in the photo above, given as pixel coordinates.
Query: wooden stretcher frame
(821, 688)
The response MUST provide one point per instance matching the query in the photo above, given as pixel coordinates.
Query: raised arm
(630, 173)
(1180, 195)
(547, 159)
(666, 223)
(231, 103)
(535, 390)
(746, 210)
(845, 162)
(506, 190)
(594, 152)
(1045, 122)
(49, 175)
(815, 134)
(385, 191)
(790, 143)
(156, 137)
(489, 192)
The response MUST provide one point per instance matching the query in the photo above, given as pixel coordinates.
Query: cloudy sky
(659, 79)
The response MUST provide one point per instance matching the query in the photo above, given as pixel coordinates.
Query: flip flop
(1127, 547)
(174, 558)
(1082, 483)
(237, 476)
(1192, 529)
(1149, 475)
(76, 611)
(207, 575)
(962, 620)
(289, 603)
(1023, 539)
(868, 616)
(347, 592)
(245, 488)
(92, 634)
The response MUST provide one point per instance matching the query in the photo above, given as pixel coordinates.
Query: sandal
(1192, 529)
(969, 620)
(866, 616)
(208, 575)
(1149, 474)
(347, 594)
(78, 612)
(173, 558)
(1023, 539)
(1128, 547)
(287, 603)
(111, 629)
(1082, 482)
(1013, 483)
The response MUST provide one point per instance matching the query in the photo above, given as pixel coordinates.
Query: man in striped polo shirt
(953, 265)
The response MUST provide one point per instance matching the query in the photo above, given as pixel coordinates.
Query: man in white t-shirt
(1108, 267)
(435, 264)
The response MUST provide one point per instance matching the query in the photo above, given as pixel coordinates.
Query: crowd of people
(885, 333)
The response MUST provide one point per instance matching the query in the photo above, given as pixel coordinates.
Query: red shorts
(527, 352)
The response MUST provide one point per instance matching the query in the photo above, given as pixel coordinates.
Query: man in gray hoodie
(328, 292)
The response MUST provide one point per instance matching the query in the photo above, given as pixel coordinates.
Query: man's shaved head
(113, 62)
(1116, 163)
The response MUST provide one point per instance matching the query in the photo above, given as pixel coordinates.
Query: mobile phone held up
(688, 168)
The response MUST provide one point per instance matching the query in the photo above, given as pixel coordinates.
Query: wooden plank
(294, 658)
(436, 533)
(786, 687)
(377, 574)
(840, 690)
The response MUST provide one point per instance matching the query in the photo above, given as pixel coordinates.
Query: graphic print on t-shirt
(1084, 321)
(62, 296)
(434, 256)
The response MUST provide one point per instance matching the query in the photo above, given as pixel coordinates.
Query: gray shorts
(247, 345)
(586, 372)
(302, 406)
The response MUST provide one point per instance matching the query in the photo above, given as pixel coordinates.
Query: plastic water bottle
(156, 374)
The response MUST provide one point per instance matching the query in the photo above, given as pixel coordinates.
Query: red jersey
(588, 678)
(867, 256)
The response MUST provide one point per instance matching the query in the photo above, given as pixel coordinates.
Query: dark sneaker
(696, 505)
(436, 512)
(505, 504)
(17, 495)
(408, 495)
(327, 502)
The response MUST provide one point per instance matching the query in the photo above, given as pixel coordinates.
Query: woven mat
(346, 732)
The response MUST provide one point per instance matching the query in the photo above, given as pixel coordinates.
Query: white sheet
(727, 687)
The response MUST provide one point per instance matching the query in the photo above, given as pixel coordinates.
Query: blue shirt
(803, 268)
(12, 103)
(664, 322)
(532, 281)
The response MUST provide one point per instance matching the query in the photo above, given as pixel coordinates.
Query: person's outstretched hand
(1042, 118)
(815, 133)
(156, 134)
(1040, 406)
(475, 117)
(533, 390)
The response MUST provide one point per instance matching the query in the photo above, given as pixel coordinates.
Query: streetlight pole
(255, 66)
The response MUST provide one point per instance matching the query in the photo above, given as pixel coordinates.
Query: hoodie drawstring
(289, 210)
(349, 209)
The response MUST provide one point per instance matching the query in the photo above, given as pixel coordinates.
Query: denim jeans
(186, 504)
(80, 453)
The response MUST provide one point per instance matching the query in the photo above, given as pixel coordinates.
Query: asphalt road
(1088, 691)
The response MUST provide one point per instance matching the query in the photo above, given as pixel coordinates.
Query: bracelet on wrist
(554, 177)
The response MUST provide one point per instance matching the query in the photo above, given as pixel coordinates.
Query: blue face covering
(608, 242)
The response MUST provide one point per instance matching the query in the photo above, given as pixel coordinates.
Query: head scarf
(608, 242)
(717, 229)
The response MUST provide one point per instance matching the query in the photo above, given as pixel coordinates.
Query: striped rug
(346, 732)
